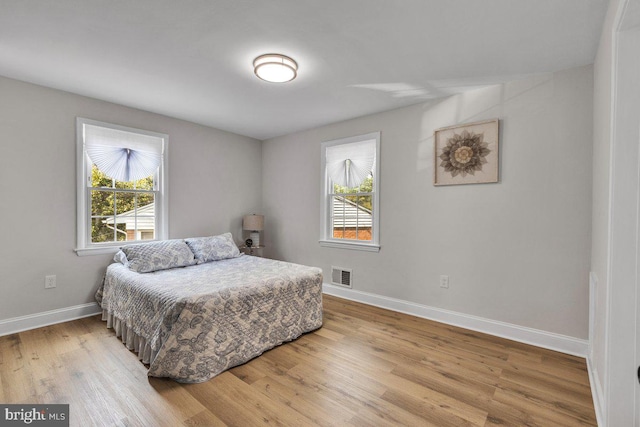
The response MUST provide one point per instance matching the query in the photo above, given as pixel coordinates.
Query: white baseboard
(38, 320)
(539, 338)
(596, 392)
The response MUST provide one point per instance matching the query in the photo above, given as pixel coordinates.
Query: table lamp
(253, 223)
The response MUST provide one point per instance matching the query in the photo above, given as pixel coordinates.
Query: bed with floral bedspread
(191, 323)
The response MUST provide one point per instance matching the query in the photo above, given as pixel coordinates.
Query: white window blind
(122, 193)
(350, 203)
(121, 155)
(349, 165)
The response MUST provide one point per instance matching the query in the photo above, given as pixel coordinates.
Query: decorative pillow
(213, 248)
(121, 258)
(154, 256)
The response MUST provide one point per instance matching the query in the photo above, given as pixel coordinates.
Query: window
(122, 187)
(350, 196)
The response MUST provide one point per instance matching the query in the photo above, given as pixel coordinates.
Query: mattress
(192, 323)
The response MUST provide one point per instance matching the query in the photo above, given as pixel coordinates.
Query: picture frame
(467, 153)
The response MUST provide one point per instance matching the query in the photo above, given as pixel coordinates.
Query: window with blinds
(350, 200)
(121, 186)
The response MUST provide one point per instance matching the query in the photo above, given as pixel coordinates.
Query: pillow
(154, 256)
(213, 248)
(121, 258)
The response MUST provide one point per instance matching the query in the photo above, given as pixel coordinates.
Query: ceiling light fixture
(275, 68)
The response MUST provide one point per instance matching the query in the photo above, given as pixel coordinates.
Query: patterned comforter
(204, 319)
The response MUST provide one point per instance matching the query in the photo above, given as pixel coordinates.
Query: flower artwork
(467, 154)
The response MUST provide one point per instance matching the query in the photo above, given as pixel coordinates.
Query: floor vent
(341, 276)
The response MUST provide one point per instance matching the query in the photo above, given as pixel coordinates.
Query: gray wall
(213, 181)
(517, 251)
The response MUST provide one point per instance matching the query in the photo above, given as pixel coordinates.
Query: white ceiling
(192, 59)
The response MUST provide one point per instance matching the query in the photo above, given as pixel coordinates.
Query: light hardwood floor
(365, 367)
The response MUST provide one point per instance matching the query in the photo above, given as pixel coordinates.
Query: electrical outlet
(444, 281)
(50, 281)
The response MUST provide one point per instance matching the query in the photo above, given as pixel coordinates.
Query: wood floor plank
(555, 370)
(359, 392)
(307, 387)
(343, 351)
(469, 392)
(403, 386)
(510, 393)
(365, 367)
(322, 412)
(257, 408)
(552, 386)
(531, 406)
(501, 415)
(383, 379)
(248, 373)
(204, 419)
(427, 410)
(17, 381)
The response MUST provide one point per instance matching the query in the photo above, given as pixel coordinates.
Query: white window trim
(325, 206)
(83, 245)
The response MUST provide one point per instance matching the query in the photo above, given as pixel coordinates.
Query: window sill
(96, 251)
(356, 246)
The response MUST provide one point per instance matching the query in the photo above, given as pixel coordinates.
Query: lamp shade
(253, 222)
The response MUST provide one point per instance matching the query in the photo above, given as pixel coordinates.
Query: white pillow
(121, 258)
(213, 248)
(154, 256)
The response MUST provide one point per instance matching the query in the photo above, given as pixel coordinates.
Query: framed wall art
(467, 153)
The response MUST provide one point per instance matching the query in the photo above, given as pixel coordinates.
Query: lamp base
(255, 237)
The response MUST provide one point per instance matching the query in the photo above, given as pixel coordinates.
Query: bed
(193, 322)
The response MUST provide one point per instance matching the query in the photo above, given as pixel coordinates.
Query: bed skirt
(130, 339)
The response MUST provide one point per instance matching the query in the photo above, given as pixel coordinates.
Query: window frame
(326, 231)
(84, 246)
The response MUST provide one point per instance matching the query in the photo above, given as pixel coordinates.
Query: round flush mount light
(275, 68)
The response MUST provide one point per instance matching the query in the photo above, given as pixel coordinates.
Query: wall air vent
(341, 276)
